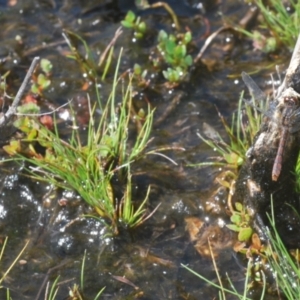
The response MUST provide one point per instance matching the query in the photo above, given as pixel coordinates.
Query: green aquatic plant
(278, 26)
(266, 44)
(245, 124)
(51, 294)
(42, 81)
(172, 50)
(282, 19)
(89, 167)
(86, 61)
(278, 260)
(133, 22)
(240, 219)
(297, 171)
(170, 55)
(88, 65)
(82, 272)
(285, 267)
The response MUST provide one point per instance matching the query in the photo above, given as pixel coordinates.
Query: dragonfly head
(290, 97)
(291, 101)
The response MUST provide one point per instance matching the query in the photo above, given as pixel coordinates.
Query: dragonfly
(289, 108)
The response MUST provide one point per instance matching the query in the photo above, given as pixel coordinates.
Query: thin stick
(111, 44)
(13, 108)
(209, 41)
(169, 109)
(45, 113)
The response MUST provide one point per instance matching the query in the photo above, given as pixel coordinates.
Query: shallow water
(149, 258)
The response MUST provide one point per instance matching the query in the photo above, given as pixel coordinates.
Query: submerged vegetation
(278, 25)
(88, 168)
(98, 161)
(51, 290)
(76, 292)
(281, 19)
(272, 259)
(170, 56)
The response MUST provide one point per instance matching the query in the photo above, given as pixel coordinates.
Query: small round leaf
(245, 234)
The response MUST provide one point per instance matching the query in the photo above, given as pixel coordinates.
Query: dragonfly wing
(250, 103)
(268, 113)
(258, 94)
(210, 132)
(254, 90)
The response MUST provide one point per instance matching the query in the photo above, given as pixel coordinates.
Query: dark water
(150, 257)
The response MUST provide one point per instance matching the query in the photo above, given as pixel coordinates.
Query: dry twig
(13, 108)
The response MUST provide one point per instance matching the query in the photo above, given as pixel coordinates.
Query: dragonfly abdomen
(278, 159)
